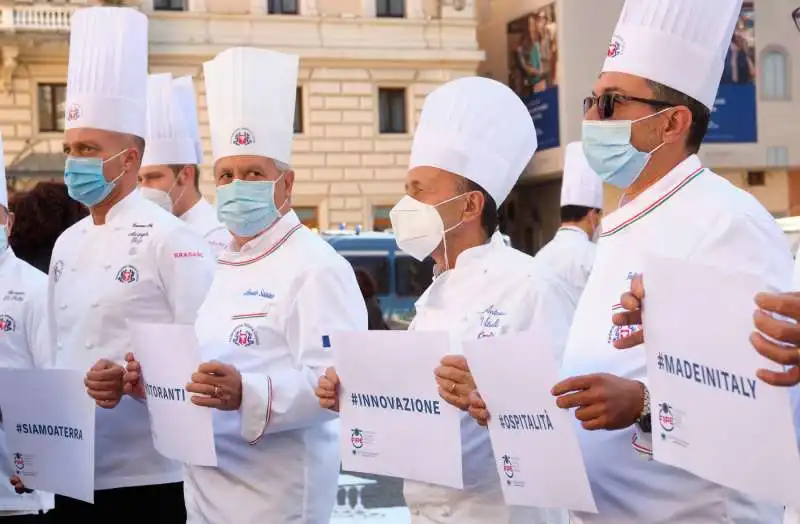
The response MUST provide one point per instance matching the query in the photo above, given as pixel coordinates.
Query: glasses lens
(588, 102)
(605, 106)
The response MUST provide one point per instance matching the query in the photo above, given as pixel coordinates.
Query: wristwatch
(645, 420)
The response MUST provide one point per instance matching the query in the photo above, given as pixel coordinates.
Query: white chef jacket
(792, 515)
(202, 217)
(570, 254)
(493, 290)
(269, 313)
(23, 344)
(143, 265)
(691, 214)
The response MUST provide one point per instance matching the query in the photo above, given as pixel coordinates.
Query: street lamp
(796, 18)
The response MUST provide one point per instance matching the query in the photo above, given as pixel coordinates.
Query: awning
(38, 165)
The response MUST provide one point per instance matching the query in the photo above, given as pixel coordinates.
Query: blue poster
(543, 108)
(533, 60)
(733, 119)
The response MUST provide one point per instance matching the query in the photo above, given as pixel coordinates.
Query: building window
(51, 107)
(168, 5)
(282, 7)
(308, 216)
(380, 218)
(778, 156)
(774, 75)
(390, 8)
(392, 107)
(298, 110)
(755, 178)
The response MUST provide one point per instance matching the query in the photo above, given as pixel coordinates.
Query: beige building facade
(365, 69)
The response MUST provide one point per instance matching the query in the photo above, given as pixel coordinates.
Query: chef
(23, 344)
(644, 124)
(278, 293)
(170, 173)
(128, 260)
(473, 141)
(571, 252)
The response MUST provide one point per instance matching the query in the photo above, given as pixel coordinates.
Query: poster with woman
(533, 65)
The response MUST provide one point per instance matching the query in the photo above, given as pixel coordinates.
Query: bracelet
(645, 420)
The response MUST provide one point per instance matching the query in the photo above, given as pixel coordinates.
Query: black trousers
(23, 519)
(159, 504)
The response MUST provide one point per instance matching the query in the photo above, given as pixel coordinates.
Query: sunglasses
(607, 102)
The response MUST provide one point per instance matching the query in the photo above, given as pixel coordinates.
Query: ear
(131, 160)
(474, 207)
(186, 175)
(288, 182)
(679, 123)
(10, 222)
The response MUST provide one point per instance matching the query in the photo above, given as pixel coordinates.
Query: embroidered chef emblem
(508, 467)
(7, 324)
(243, 137)
(618, 332)
(490, 320)
(19, 462)
(58, 269)
(127, 275)
(616, 47)
(244, 335)
(73, 113)
(357, 438)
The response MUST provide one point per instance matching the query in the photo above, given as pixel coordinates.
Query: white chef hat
(580, 185)
(476, 128)
(168, 139)
(3, 182)
(251, 96)
(681, 44)
(107, 73)
(184, 91)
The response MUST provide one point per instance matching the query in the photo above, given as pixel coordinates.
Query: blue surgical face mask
(84, 179)
(608, 149)
(3, 237)
(247, 207)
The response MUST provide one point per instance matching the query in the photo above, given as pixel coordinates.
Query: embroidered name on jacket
(490, 322)
(187, 254)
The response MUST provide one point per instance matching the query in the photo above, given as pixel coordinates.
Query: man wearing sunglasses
(644, 123)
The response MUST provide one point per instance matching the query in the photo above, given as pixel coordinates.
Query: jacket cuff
(642, 443)
(256, 406)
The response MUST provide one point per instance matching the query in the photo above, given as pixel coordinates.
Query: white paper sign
(711, 415)
(535, 447)
(169, 354)
(392, 420)
(48, 420)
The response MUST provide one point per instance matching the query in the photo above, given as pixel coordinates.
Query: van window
(413, 277)
(377, 266)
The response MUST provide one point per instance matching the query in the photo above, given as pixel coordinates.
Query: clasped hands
(214, 384)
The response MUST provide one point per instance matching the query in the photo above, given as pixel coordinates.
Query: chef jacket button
(63, 305)
(95, 304)
(60, 346)
(446, 511)
(73, 269)
(89, 345)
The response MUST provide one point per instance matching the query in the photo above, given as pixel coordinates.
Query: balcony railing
(45, 18)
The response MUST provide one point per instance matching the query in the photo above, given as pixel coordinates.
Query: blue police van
(400, 278)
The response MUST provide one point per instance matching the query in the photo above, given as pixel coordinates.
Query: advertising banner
(533, 60)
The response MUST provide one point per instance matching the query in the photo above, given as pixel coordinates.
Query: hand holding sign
(133, 382)
(327, 390)
(632, 301)
(104, 383)
(786, 331)
(455, 381)
(216, 385)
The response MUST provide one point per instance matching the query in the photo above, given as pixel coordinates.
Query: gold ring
(452, 387)
(216, 391)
